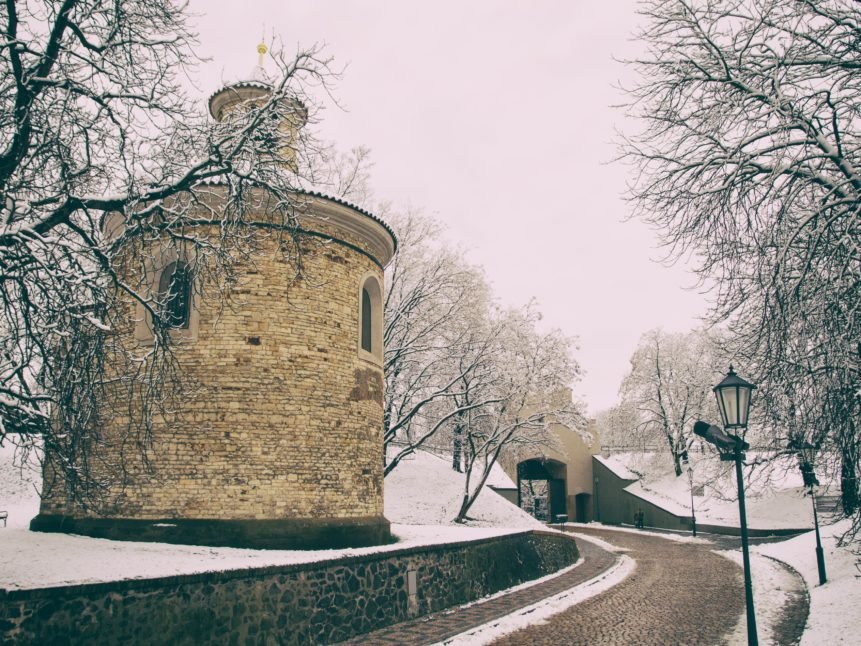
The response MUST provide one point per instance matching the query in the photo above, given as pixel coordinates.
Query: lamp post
(807, 453)
(733, 399)
(693, 513)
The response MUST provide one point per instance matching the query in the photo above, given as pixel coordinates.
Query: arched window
(371, 319)
(367, 325)
(174, 294)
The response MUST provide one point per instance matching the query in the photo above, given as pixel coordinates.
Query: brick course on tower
(281, 444)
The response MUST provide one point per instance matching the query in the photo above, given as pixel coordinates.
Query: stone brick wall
(301, 604)
(286, 421)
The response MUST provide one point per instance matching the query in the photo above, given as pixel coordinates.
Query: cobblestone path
(680, 593)
(443, 625)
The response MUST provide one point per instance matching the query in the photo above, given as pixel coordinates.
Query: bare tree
(748, 162)
(527, 369)
(346, 175)
(458, 369)
(434, 301)
(614, 426)
(669, 388)
(95, 124)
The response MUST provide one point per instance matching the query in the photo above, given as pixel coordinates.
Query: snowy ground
(771, 586)
(774, 495)
(424, 490)
(422, 498)
(834, 617)
(775, 499)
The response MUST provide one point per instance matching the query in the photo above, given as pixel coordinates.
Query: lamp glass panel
(730, 402)
(743, 405)
(721, 408)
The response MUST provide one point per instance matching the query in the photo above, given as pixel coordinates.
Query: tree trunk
(677, 456)
(457, 448)
(849, 479)
(464, 507)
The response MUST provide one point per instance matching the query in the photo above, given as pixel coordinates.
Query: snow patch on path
(772, 588)
(542, 611)
(834, 616)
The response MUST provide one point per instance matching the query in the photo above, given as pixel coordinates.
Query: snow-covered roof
(661, 501)
(364, 212)
(617, 468)
(498, 478)
(216, 181)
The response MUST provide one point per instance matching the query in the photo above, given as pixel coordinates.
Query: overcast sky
(495, 117)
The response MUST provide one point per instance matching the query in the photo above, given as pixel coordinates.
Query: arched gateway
(541, 488)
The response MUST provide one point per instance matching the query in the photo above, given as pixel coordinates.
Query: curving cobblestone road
(680, 593)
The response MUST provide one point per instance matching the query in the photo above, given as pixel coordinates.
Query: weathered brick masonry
(281, 445)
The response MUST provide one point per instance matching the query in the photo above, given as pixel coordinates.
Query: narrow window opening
(174, 294)
(366, 320)
(370, 329)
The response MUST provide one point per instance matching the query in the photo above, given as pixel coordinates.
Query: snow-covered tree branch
(668, 388)
(104, 158)
(747, 161)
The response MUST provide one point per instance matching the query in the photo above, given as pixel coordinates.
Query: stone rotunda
(282, 445)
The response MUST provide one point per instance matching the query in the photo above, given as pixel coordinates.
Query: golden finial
(261, 51)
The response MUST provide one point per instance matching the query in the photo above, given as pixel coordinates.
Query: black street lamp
(693, 513)
(733, 399)
(807, 454)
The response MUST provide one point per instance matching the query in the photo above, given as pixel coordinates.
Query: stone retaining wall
(314, 603)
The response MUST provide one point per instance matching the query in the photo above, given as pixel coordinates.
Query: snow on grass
(834, 617)
(422, 498)
(425, 491)
(774, 495)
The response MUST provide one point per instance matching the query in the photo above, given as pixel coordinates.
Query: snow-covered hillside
(774, 495)
(19, 488)
(424, 490)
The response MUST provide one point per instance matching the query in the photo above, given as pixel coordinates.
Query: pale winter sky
(495, 117)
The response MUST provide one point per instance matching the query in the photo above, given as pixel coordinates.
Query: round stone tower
(281, 444)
